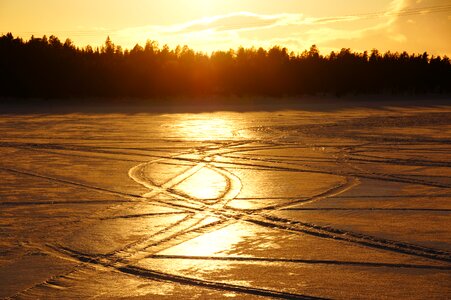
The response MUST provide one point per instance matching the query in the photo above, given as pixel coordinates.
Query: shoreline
(10, 105)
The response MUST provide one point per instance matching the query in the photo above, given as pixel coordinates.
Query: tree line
(47, 67)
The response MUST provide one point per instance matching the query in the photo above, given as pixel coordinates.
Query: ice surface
(353, 203)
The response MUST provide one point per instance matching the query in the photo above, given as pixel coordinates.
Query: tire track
(232, 190)
(162, 276)
(300, 261)
(188, 228)
(347, 236)
(228, 195)
(404, 249)
(369, 209)
(365, 175)
(70, 182)
(352, 237)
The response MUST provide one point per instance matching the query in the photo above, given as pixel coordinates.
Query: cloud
(239, 21)
(230, 22)
(295, 30)
(236, 21)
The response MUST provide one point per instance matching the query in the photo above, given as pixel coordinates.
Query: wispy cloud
(235, 21)
(247, 28)
(229, 22)
(239, 21)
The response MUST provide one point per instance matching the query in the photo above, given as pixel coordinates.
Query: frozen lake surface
(345, 204)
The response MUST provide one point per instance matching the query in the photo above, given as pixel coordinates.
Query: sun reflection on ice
(205, 127)
(209, 244)
(206, 184)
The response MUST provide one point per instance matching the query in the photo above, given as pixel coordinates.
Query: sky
(208, 25)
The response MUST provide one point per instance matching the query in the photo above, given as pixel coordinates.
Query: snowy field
(343, 204)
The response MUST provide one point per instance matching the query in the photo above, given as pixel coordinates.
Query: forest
(49, 68)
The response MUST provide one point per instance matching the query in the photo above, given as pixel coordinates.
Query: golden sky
(208, 25)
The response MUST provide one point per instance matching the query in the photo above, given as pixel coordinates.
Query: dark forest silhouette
(46, 67)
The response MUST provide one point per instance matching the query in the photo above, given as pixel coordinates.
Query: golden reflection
(210, 244)
(206, 184)
(205, 127)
